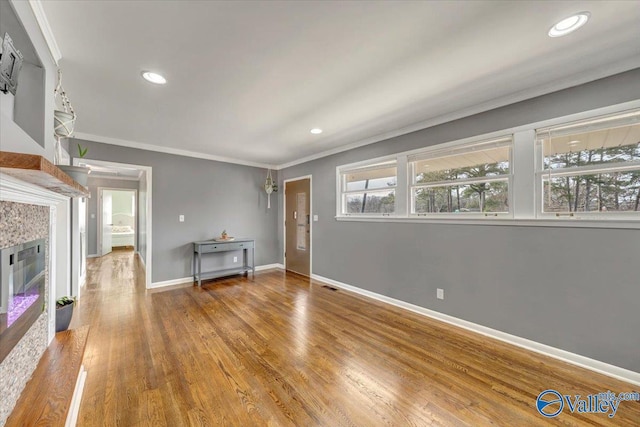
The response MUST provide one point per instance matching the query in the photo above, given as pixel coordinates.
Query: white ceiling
(248, 80)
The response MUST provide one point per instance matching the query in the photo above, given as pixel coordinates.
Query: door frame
(284, 219)
(99, 228)
(148, 170)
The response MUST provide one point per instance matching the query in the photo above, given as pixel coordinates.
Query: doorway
(104, 172)
(297, 225)
(117, 219)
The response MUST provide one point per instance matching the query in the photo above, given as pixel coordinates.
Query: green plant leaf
(82, 151)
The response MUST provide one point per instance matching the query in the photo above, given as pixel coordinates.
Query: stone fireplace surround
(20, 223)
(27, 212)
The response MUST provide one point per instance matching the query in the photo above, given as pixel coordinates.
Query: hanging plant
(64, 118)
(270, 187)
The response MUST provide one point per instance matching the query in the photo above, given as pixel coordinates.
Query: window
(469, 179)
(369, 190)
(582, 170)
(591, 168)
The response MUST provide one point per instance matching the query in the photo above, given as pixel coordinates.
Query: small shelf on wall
(39, 171)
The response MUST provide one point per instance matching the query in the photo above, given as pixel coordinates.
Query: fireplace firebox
(22, 285)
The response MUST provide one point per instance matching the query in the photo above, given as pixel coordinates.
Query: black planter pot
(63, 317)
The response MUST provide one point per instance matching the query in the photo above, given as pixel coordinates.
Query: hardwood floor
(283, 350)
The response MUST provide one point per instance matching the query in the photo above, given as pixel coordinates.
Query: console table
(214, 246)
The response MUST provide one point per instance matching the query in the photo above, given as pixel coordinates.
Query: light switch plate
(315, 218)
(181, 218)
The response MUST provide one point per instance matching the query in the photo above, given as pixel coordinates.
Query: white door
(107, 204)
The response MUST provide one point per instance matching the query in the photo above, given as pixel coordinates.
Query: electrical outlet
(181, 218)
(235, 259)
(440, 293)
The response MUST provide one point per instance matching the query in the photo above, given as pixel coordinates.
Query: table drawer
(223, 247)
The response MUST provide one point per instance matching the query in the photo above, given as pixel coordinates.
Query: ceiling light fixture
(154, 78)
(316, 131)
(570, 24)
(574, 142)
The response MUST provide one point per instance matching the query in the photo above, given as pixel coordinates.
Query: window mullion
(402, 186)
(523, 202)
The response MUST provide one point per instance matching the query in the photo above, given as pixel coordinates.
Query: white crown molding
(556, 353)
(47, 33)
(557, 85)
(167, 150)
(118, 177)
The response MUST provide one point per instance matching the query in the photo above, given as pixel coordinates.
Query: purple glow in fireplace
(19, 305)
(22, 289)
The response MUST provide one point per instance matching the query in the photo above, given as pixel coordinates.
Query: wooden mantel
(39, 171)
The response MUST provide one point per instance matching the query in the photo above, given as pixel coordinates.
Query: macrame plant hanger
(63, 120)
(269, 187)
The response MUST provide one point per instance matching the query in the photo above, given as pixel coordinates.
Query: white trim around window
(523, 176)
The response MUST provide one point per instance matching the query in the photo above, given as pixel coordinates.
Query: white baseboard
(190, 278)
(269, 267)
(566, 356)
(171, 282)
(74, 409)
(93, 256)
(141, 260)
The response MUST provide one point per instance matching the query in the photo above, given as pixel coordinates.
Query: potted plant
(64, 312)
(80, 174)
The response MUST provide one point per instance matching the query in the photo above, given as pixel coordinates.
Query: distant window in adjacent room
(591, 168)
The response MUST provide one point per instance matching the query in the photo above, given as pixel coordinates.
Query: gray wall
(211, 195)
(92, 206)
(572, 288)
(29, 101)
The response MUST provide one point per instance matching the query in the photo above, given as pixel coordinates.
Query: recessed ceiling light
(154, 78)
(574, 142)
(570, 24)
(316, 131)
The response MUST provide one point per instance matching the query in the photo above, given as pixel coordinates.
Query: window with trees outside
(591, 168)
(369, 190)
(581, 170)
(471, 179)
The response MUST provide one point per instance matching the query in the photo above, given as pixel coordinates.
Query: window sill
(513, 222)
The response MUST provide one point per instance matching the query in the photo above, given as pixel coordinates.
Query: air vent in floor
(331, 288)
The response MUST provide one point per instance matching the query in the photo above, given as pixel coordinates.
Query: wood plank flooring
(281, 350)
(46, 399)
